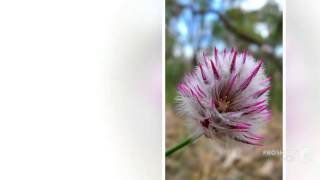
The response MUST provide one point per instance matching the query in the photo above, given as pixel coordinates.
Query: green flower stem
(183, 143)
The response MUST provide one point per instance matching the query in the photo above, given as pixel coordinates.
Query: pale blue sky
(187, 27)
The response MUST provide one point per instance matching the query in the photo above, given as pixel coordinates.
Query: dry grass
(206, 159)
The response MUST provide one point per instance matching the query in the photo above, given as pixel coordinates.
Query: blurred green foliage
(175, 70)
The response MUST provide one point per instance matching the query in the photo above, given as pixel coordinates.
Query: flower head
(226, 96)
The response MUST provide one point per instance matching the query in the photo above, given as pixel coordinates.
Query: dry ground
(207, 160)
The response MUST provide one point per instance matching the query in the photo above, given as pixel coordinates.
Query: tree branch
(233, 29)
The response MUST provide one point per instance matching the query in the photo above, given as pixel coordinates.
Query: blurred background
(73, 81)
(193, 26)
(302, 159)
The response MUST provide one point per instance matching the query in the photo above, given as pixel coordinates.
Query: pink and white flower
(226, 96)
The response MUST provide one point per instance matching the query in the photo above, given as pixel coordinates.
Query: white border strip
(163, 23)
(284, 90)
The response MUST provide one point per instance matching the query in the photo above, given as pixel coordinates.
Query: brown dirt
(207, 160)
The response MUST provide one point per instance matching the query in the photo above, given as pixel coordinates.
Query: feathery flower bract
(226, 96)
